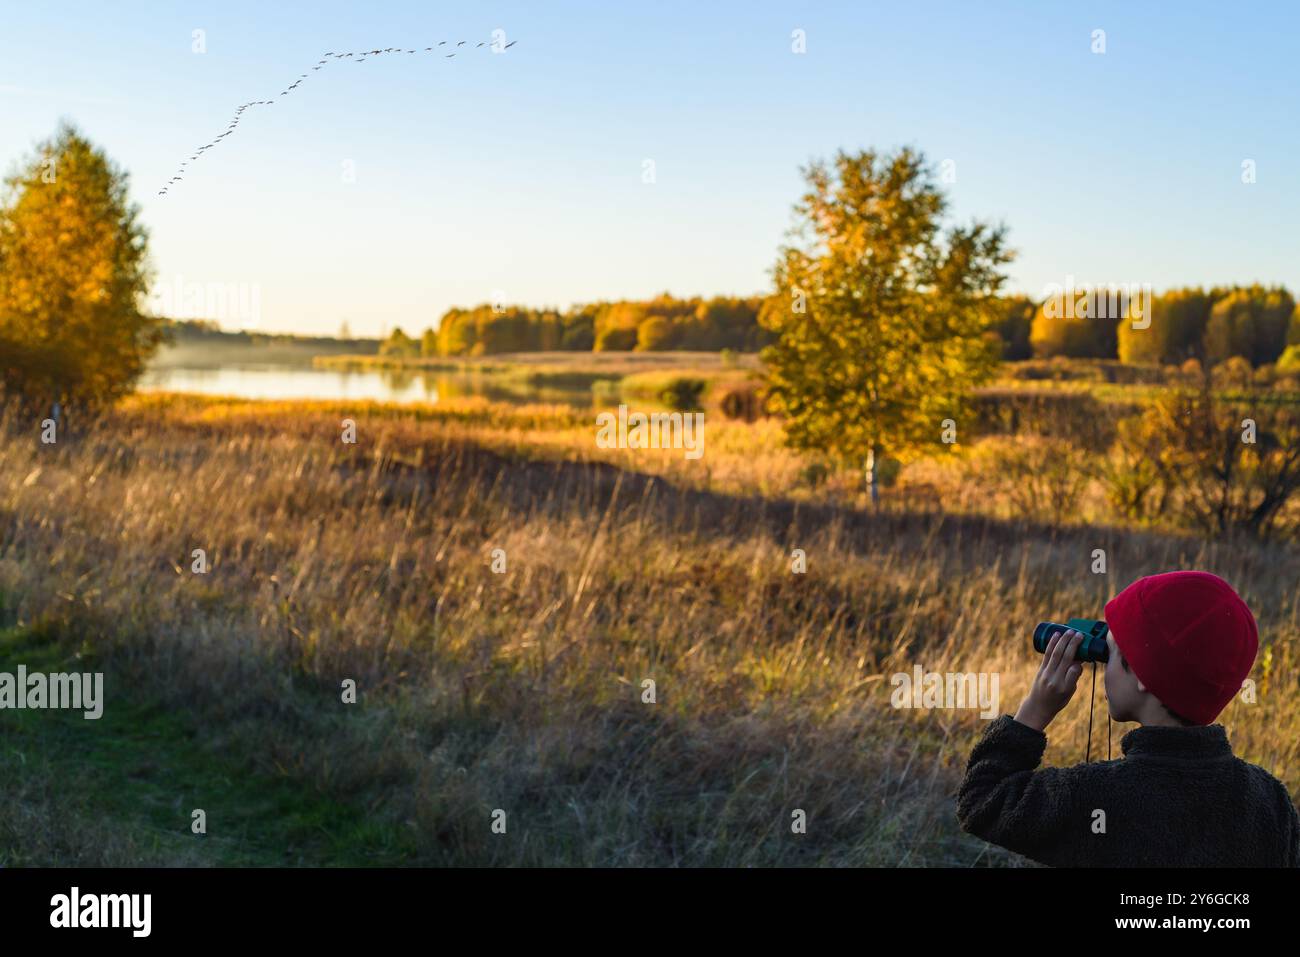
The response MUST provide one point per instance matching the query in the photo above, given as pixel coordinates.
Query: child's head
(1181, 644)
(1129, 699)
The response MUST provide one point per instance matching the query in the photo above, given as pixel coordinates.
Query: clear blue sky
(522, 172)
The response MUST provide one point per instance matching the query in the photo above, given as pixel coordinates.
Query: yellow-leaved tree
(73, 277)
(880, 313)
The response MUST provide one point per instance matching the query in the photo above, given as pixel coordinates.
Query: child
(1181, 644)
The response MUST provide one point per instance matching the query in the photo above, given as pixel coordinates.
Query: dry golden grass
(522, 691)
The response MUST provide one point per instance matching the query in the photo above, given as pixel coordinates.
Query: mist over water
(298, 382)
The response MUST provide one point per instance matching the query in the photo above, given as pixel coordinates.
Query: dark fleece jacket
(1178, 798)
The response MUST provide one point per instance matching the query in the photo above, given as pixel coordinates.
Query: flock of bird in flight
(358, 57)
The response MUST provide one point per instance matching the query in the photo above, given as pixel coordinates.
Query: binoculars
(1093, 647)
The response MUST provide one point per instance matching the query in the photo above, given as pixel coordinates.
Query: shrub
(684, 394)
(814, 473)
(1131, 476)
(742, 400)
(1040, 478)
(1080, 415)
(1215, 465)
(1233, 373)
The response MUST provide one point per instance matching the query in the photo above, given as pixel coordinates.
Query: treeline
(1259, 324)
(182, 332)
(655, 325)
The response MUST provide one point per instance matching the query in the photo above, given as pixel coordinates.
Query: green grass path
(120, 790)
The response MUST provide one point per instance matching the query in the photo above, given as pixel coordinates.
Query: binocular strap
(1092, 700)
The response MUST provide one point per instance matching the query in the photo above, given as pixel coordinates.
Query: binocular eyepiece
(1093, 647)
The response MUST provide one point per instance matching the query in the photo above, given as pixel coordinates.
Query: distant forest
(1257, 324)
(198, 331)
(660, 324)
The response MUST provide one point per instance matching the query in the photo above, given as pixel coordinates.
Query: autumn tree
(1011, 324)
(1178, 320)
(399, 345)
(616, 326)
(73, 276)
(1251, 323)
(578, 329)
(1081, 323)
(654, 334)
(882, 331)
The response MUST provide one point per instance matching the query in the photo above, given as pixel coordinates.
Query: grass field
(522, 691)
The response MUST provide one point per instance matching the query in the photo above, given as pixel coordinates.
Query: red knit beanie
(1188, 637)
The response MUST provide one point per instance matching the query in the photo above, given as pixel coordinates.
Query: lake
(384, 385)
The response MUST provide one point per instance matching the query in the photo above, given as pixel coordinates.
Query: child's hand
(1055, 682)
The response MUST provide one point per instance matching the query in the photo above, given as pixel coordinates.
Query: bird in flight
(356, 56)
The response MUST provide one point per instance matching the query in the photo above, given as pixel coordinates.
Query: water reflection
(384, 385)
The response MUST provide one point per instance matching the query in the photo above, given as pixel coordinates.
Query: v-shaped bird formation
(359, 56)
